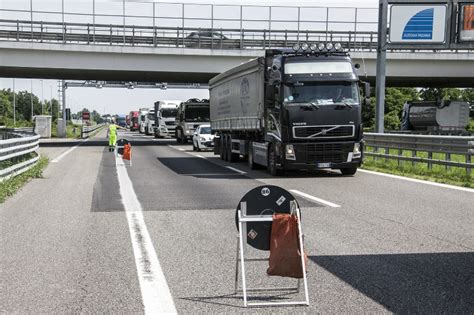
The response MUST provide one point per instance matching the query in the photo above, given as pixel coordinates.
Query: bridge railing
(449, 151)
(188, 37)
(16, 152)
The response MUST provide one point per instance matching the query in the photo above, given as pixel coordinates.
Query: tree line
(25, 101)
(394, 100)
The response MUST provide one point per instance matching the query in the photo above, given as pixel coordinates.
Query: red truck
(133, 116)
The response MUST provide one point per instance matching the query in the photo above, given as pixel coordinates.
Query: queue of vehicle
(293, 109)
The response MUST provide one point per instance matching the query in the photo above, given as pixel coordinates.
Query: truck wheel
(178, 136)
(272, 168)
(349, 171)
(251, 163)
(221, 148)
(233, 157)
(226, 148)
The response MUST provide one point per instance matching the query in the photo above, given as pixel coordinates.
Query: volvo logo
(324, 131)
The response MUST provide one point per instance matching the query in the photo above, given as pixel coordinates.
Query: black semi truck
(290, 110)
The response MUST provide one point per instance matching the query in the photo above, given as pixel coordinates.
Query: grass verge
(452, 176)
(11, 186)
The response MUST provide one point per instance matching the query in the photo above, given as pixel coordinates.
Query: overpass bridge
(184, 54)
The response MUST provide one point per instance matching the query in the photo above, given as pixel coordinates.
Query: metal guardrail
(86, 130)
(447, 145)
(13, 145)
(183, 37)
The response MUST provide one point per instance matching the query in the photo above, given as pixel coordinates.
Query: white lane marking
(181, 149)
(419, 181)
(199, 156)
(236, 170)
(156, 294)
(319, 200)
(60, 157)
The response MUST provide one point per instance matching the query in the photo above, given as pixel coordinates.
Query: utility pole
(14, 104)
(31, 99)
(381, 60)
(42, 98)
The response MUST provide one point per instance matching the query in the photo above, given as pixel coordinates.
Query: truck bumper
(323, 155)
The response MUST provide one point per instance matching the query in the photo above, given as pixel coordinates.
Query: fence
(183, 37)
(14, 145)
(426, 144)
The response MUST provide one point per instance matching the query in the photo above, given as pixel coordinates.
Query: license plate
(323, 165)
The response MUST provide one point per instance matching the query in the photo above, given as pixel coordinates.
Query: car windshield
(197, 113)
(321, 94)
(169, 112)
(205, 130)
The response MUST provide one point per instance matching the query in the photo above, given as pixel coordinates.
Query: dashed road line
(312, 198)
(62, 155)
(419, 181)
(236, 170)
(156, 294)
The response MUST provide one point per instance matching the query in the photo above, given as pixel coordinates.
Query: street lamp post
(42, 98)
(14, 104)
(31, 99)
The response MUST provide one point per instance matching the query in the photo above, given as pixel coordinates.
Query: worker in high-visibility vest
(112, 134)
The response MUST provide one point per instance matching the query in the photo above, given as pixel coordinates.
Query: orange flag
(127, 151)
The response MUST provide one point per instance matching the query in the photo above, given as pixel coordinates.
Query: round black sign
(264, 200)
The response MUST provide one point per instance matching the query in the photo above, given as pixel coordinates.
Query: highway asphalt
(385, 245)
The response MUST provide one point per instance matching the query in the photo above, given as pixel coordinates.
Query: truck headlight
(188, 131)
(356, 152)
(290, 152)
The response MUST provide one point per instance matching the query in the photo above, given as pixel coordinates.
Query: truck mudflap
(326, 155)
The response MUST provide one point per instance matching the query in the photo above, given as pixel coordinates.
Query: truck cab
(190, 115)
(142, 120)
(165, 117)
(150, 122)
(294, 109)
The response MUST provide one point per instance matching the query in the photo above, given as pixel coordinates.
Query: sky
(115, 100)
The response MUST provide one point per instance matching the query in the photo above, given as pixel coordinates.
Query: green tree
(395, 98)
(51, 108)
(23, 105)
(435, 94)
(467, 95)
(6, 107)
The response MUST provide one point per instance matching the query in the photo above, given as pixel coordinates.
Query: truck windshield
(321, 94)
(200, 113)
(169, 112)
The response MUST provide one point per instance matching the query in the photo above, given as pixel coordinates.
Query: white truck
(191, 114)
(150, 122)
(165, 118)
(142, 119)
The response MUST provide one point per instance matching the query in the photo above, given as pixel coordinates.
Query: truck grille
(334, 131)
(170, 123)
(325, 152)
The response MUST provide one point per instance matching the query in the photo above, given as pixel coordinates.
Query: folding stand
(243, 218)
(117, 147)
